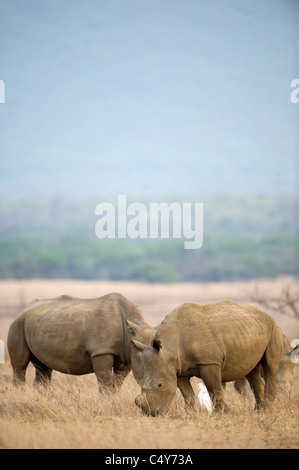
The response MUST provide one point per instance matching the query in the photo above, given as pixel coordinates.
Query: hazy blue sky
(148, 96)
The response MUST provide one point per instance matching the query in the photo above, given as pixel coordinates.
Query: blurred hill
(245, 237)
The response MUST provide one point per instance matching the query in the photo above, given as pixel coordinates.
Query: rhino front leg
(121, 370)
(187, 391)
(240, 386)
(211, 375)
(103, 369)
(42, 372)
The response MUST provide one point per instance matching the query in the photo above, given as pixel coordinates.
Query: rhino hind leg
(257, 386)
(270, 363)
(19, 375)
(270, 375)
(19, 351)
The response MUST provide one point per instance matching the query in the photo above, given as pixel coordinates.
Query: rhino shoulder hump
(65, 297)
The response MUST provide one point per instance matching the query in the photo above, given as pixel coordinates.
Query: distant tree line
(244, 238)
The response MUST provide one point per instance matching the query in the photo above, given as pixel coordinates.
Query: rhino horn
(139, 345)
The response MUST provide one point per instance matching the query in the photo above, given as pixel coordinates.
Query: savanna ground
(72, 414)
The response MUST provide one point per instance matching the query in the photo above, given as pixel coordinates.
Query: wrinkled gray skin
(79, 336)
(217, 342)
(285, 374)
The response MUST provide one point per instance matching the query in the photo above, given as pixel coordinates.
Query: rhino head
(159, 379)
(139, 336)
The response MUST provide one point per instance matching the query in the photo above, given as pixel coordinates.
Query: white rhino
(217, 342)
(79, 336)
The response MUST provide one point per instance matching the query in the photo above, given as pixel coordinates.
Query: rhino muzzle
(142, 403)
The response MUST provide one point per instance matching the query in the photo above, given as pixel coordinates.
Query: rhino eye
(159, 384)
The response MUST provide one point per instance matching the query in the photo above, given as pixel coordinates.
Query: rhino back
(65, 332)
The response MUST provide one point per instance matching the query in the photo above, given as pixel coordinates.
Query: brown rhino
(217, 342)
(79, 336)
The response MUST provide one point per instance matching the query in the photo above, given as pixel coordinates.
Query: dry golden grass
(72, 414)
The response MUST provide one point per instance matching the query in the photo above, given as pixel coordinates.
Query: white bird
(204, 398)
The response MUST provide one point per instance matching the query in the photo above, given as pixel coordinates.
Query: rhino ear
(139, 346)
(133, 327)
(156, 344)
